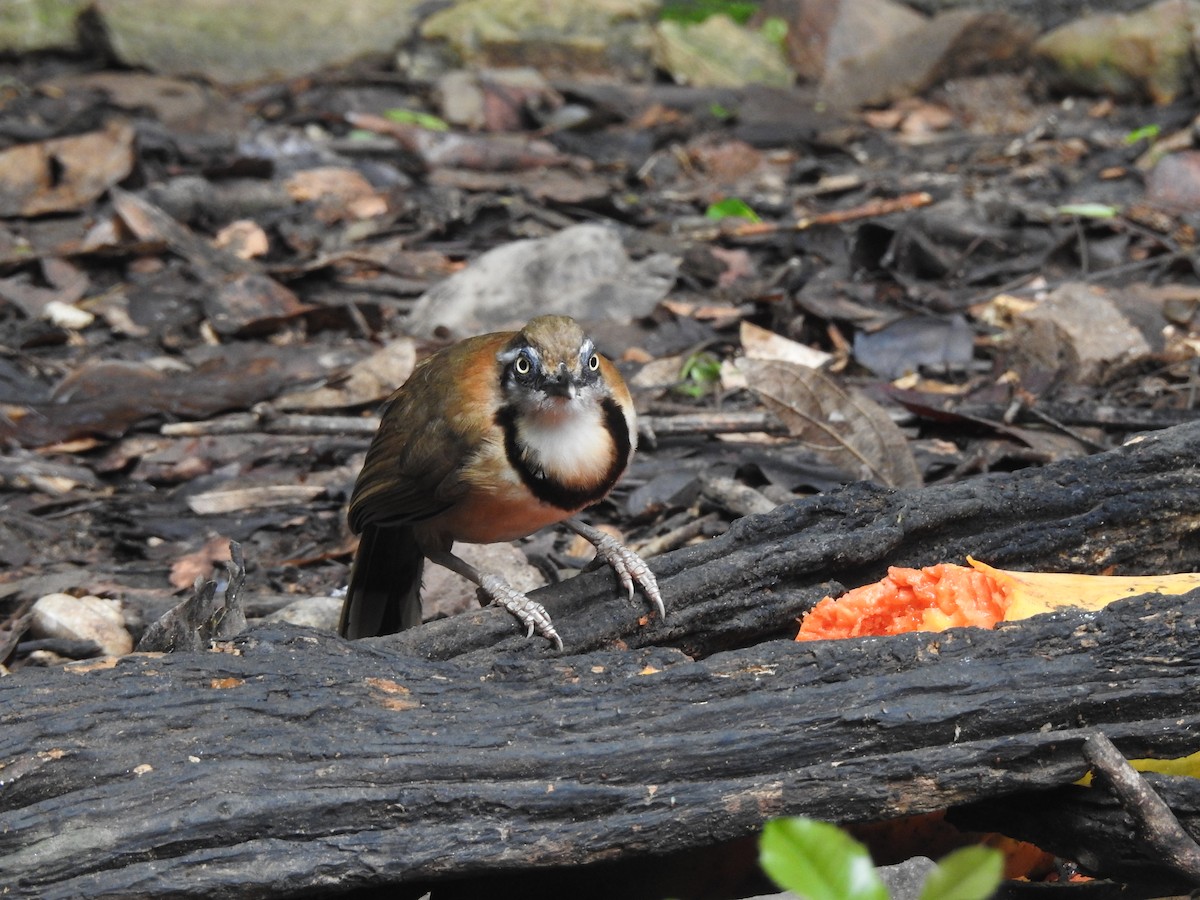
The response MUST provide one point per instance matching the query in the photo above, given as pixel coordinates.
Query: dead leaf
(251, 302)
(67, 283)
(338, 194)
(915, 344)
(199, 564)
(64, 174)
(216, 502)
(107, 397)
(737, 262)
(244, 238)
(367, 381)
(844, 426)
(762, 343)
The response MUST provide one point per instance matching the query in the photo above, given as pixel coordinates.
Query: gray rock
(237, 43)
(1147, 55)
(953, 44)
(67, 617)
(582, 271)
(567, 36)
(903, 880)
(314, 612)
(40, 25)
(720, 53)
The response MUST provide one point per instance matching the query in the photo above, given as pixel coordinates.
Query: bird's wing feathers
(413, 467)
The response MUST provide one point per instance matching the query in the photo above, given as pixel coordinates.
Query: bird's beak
(560, 385)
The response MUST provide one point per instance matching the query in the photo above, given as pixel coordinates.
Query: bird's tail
(384, 595)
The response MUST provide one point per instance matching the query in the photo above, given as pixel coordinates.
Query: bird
(489, 440)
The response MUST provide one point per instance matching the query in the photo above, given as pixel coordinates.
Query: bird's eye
(594, 362)
(523, 365)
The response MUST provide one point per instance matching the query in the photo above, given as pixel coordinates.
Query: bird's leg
(530, 614)
(628, 565)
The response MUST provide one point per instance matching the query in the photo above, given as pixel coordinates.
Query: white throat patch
(567, 441)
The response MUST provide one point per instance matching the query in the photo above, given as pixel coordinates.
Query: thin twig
(869, 210)
(1151, 815)
(677, 537)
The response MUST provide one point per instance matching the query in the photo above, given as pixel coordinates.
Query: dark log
(1134, 510)
(292, 762)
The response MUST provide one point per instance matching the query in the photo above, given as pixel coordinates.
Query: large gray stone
(1147, 55)
(237, 42)
(610, 37)
(30, 25)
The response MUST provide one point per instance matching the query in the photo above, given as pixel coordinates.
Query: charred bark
(291, 762)
(1134, 510)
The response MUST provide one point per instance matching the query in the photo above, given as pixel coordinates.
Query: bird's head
(551, 367)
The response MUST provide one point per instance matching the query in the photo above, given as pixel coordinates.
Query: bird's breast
(534, 471)
(573, 449)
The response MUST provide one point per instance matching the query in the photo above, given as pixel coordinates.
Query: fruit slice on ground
(947, 595)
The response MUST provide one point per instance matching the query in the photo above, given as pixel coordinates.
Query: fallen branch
(1130, 511)
(291, 761)
(1153, 819)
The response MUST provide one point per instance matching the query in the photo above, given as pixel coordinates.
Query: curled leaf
(844, 426)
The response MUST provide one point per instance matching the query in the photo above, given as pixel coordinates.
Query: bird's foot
(630, 567)
(530, 614)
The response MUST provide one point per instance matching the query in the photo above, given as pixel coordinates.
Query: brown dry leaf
(68, 285)
(339, 194)
(63, 174)
(244, 238)
(727, 162)
(180, 104)
(218, 502)
(719, 314)
(251, 302)
(199, 564)
(367, 381)
(762, 343)
(109, 396)
(843, 426)
(738, 264)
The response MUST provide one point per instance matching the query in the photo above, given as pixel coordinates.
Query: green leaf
(1089, 210)
(720, 112)
(1145, 133)
(420, 119)
(698, 374)
(695, 11)
(818, 861)
(972, 873)
(774, 29)
(731, 208)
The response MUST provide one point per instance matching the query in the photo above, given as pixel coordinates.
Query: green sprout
(698, 375)
(775, 30)
(1145, 133)
(731, 208)
(420, 119)
(719, 111)
(1089, 210)
(691, 12)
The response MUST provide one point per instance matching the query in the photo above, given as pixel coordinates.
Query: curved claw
(529, 613)
(630, 567)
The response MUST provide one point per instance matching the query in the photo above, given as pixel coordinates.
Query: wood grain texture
(293, 761)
